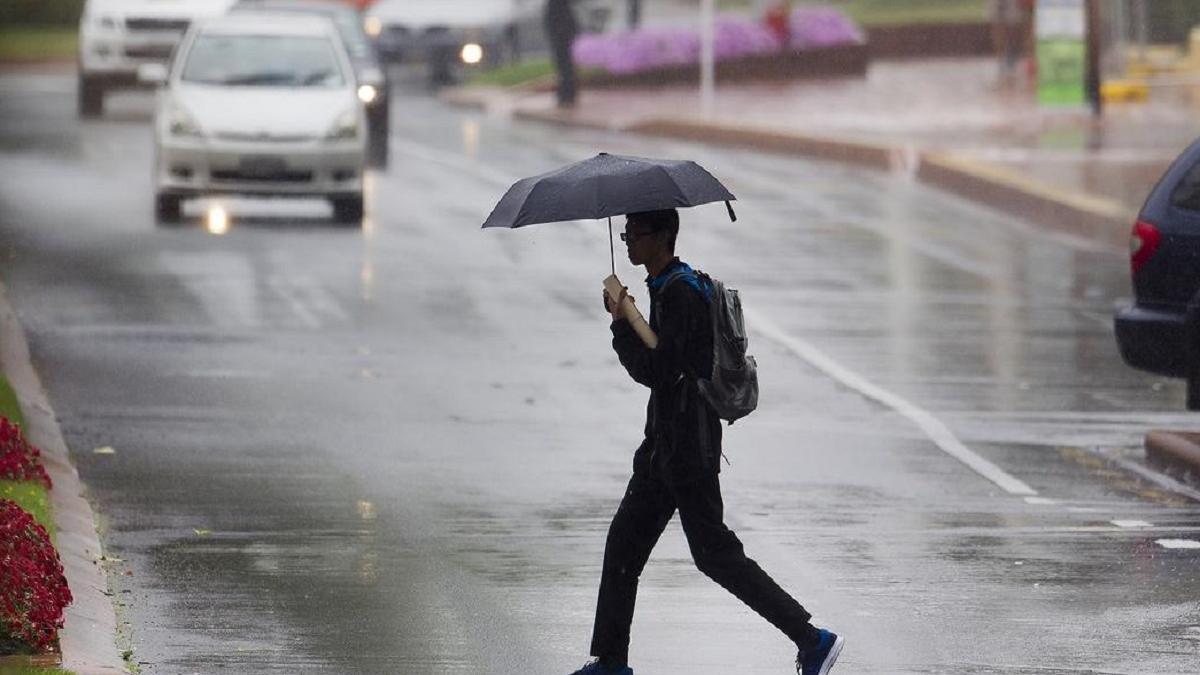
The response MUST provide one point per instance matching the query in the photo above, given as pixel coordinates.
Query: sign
(1061, 51)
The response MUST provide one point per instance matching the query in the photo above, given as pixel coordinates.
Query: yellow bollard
(1124, 91)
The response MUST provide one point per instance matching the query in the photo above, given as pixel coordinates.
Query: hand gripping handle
(613, 285)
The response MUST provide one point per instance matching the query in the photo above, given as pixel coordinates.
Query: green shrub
(40, 12)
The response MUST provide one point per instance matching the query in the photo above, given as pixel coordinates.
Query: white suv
(117, 36)
(456, 35)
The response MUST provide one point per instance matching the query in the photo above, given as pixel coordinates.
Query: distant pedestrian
(676, 466)
(561, 29)
(1009, 23)
(633, 13)
(778, 18)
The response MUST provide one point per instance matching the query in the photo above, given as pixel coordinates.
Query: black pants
(648, 505)
(564, 64)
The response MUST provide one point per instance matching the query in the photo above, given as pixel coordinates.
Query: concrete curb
(1177, 451)
(88, 638)
(1080, 215)
(1091, 217)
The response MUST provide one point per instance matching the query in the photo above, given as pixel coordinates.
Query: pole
(1092, 77)
(706, 57)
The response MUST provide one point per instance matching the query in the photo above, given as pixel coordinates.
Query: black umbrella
(605, 186)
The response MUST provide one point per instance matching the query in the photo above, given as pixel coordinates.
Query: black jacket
(683, 433)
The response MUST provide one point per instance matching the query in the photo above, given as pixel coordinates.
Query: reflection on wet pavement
(397, 450)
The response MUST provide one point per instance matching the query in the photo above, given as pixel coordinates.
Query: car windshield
(263, 61)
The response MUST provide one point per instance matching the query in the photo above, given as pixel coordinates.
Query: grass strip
(892, 13)
(517, 73)
(31, 44)
(8, 404)
(33, 497)
(886, 12)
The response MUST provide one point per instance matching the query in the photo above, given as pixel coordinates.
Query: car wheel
(348, 209)
(90, 97)
(377, 153)
(168, 209)
(377, 144)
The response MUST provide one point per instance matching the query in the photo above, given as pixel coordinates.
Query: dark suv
(1160, 332)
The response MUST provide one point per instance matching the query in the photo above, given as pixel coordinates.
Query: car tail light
(1143, 242)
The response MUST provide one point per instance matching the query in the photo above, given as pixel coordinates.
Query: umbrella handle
(613, 287)
(612, 257)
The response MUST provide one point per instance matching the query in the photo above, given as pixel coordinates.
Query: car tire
(90, 97)
(348, 209)
(168, 209)
(377, 143)
(377, 153)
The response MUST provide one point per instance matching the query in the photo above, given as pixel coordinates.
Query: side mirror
(154, 74)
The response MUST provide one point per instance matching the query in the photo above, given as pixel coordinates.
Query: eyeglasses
(631, 237)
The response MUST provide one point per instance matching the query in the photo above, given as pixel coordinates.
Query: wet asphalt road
(396, 449)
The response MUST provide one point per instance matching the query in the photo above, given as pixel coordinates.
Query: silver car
(260, 105)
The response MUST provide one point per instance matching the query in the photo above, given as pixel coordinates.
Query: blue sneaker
(819, 659)
(594, 668)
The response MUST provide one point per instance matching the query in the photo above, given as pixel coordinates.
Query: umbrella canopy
(605, 186)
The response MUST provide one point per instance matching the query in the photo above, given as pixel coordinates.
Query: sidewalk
(946, 122)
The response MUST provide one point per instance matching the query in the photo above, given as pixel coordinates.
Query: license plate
(261, 167)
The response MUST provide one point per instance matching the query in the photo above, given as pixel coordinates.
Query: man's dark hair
(658, 221)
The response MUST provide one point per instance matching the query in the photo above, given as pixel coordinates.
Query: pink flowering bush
(816, 27)
(33, 588)
(19, 460)
(733, 37)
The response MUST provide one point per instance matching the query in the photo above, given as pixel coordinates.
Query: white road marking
(289, 293)
(223, 283)
(1178, 543)
(937, 432)
(1040, 501)
(1131, 523)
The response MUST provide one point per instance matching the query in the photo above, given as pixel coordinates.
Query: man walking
(677, 465)
(562, 28)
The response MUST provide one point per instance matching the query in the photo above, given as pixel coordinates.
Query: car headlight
(344, 127)
(180, 123)
(367, 93)
(471, 53)
(373, 26)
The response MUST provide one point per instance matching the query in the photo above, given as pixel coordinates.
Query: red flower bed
(18, 459)
(33, 589)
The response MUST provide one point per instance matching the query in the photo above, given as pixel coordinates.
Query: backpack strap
(694, 278)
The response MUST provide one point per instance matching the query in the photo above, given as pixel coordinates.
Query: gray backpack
(733, 389)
